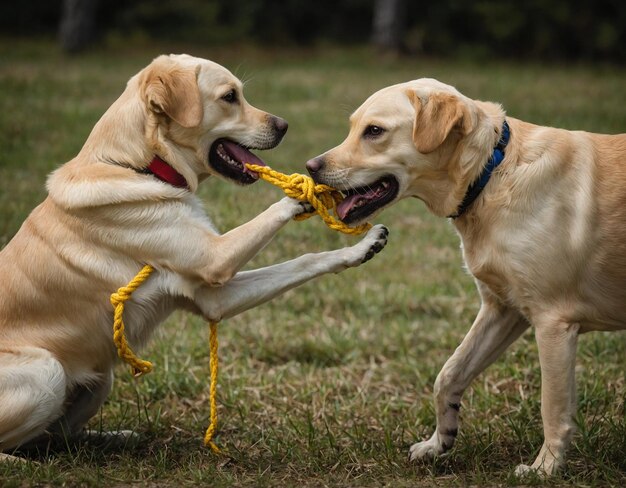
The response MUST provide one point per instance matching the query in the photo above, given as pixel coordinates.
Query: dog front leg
(494, 329)
(178, 237)
(557, 342)
(251, 288)
(236, 247)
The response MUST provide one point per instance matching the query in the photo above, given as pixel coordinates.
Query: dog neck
(128, 135)
(477, 186)
(166, 173)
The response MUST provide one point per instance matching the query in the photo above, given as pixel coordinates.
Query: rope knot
(321, 197)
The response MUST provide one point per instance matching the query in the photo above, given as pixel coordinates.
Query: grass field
(330, 384)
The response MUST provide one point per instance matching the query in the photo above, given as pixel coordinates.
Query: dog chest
(520, 268)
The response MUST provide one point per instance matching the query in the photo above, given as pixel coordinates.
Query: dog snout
(280, 127)
(314, 165)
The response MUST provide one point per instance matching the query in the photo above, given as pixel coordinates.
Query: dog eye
(373, 131)
(230, 97)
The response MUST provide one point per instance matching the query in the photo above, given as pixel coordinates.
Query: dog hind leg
(32, 394)
(83, 402)
(557, 343)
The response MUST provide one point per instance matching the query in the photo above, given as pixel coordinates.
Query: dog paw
(524, 470)
(378, 235)
(304, 208)
(549, 461)
(373, 242)
(9, 459)
(288, 208)
(543, 470)
(114, 439)
(427, 449)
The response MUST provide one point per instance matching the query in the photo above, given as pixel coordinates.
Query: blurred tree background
(546, 29)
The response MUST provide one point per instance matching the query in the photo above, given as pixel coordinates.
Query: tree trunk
(78, 23)
(389, 24)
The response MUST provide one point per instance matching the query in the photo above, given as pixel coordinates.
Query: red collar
(164, 172)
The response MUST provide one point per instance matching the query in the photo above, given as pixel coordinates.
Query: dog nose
(314, 165)
(281, 126)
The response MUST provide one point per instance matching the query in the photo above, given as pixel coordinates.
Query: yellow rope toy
(301, 187)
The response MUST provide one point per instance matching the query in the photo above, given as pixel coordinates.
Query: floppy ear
(436, 118)
(173, 90)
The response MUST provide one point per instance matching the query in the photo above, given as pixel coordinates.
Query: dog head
(414, 139)
(200, 122)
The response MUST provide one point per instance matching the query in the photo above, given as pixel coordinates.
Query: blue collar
(494, 161)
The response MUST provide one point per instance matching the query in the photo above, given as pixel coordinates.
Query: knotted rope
(301, 187)
(138, 366)
(321, 197)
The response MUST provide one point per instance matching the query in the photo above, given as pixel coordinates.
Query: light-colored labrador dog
(126, 200)
(541, 213)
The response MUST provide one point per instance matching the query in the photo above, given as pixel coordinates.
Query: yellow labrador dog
(128, 199)
(541, 213)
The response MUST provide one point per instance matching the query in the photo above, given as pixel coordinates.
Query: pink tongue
(346, 204)
(241, 154)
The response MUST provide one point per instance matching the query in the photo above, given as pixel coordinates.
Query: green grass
(330, 384)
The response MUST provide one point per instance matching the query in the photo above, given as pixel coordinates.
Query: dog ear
(173, 90)
(436, 118)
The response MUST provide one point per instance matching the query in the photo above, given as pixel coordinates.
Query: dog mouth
(229, 159)
(360, 203)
